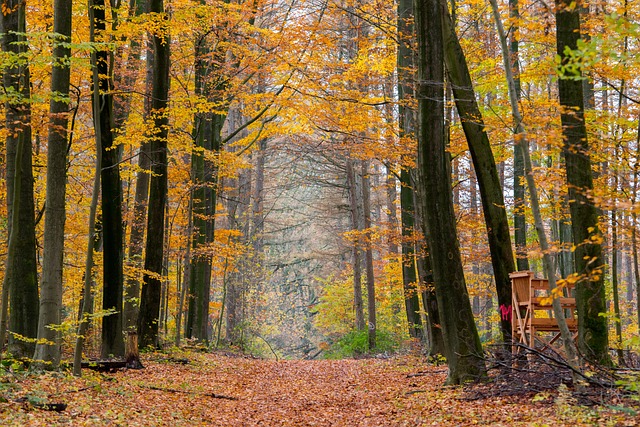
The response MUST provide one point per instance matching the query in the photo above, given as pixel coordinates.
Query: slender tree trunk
(182, 294)
(409, 276)
(371, 289)
(22, 281)
(521, 140)
(87, 300)
(139, 218)
(614, 282)
(51, 290)
(406, 122)
(358, 305)
(519, 219)
(462, 344)
(136, 238)
(152, 282)
(489, 183)
(13, 241)
(593, 338)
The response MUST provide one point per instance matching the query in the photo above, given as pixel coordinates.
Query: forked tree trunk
(489, 182)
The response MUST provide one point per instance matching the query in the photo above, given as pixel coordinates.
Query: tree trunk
(523, 145)
(51, 290)
(463, 350)
(112, 338)
(371, 289)
(614, 281)
(484, 164)
(140, 200)
(593, 338)
(358, 304)
(87, 300)
(152, 282)
(519, 219)
(22, 281)
(409, 276)
(406, 119)
(207, 138)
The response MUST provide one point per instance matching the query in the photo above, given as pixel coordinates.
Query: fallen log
(173, 390)
(104, 365)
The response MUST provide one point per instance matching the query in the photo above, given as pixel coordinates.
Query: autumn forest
(321, 179)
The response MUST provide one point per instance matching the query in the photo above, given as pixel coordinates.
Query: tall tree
(139, 216)
(51, 291)
(368, 255)
(210, 85)
(20, 288)
(354, 211)
(406, 122)
(154, 251)
(522, 142)
(593, 337)
(462, 344)
(519, 219)
(489, 183)
(112, 338)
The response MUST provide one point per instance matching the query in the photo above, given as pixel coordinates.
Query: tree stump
(132, 356)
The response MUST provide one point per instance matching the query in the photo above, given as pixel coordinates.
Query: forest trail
(217, 390)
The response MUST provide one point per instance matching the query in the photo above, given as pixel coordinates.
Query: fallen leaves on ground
(218, 390)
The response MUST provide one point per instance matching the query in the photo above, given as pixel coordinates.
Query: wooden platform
(532, 320)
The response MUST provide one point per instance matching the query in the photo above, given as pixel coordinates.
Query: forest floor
(197, 389)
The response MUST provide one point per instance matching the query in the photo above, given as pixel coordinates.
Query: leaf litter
(219, 390)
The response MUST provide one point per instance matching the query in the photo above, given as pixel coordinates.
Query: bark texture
(484, 164)
(22, 279)
(51, 290)
(593, 337)
(152, 281)
(462, 344)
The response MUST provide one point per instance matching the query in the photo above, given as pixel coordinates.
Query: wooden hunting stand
(532, 320)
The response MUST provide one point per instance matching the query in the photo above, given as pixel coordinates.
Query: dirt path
(214, 390)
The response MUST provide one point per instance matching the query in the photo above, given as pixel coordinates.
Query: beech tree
(493, 205)
(154, 250)
(462, 344)
(111, 191)
(20, 286)
(51, 291)
(406, 125)
(593, 337)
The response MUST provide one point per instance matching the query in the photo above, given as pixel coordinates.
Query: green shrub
(356, 343)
